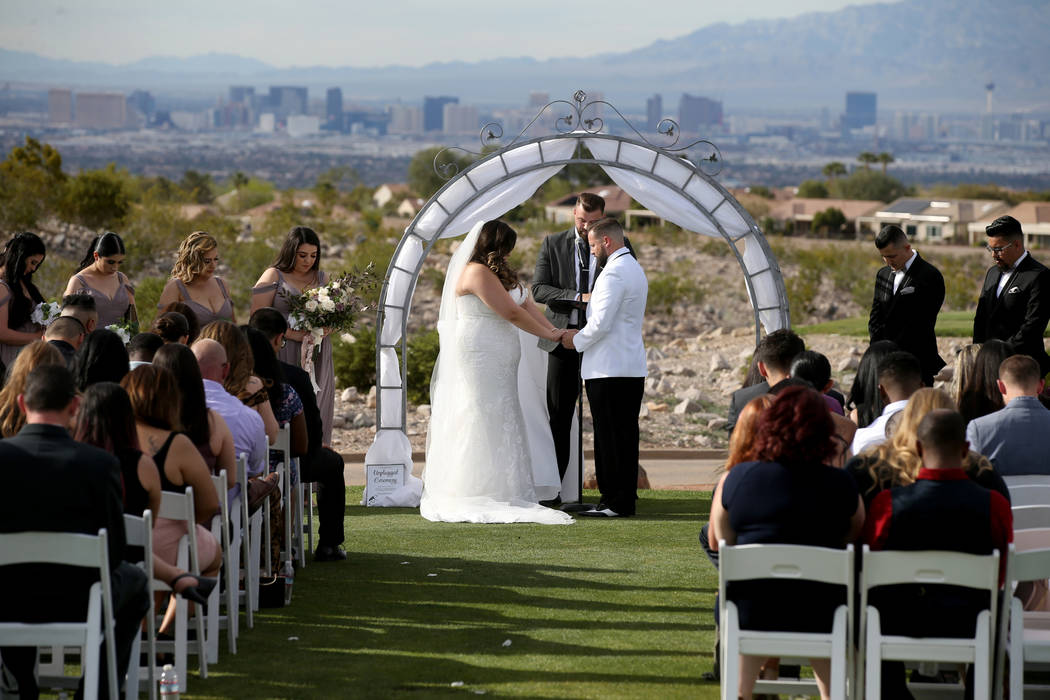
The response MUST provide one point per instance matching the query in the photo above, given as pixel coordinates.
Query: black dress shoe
(326, 553)
(552, 503)
(602, 513)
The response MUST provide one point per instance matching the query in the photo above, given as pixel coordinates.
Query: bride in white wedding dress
(479, 466)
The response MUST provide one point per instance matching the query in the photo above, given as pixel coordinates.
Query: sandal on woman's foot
(200, 592)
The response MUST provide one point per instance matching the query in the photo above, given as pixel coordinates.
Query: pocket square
(907, 290)
(1013, 290)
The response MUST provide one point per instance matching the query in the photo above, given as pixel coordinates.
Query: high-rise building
(433, 112)
(654, 111)
(405, 120)
(695, 114)
(333, 110)
(101, 110)
(860, 110)
(242, 94)
(459, 119)
(59, 106)
(285, 101)
(142, 102)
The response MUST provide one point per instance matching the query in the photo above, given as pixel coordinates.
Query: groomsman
(614, 367)
(908, 296)
(1015, 299)
(565, 275)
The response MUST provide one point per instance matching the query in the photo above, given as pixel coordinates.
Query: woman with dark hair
(239, 380)
(981, 396)
(864, 402)
(102, 357)
(193, 280)
(285, 402)
(789, 496)
(106, 420)
(480, 466)
(191, 319)
(99, 275)
(22, 256)
(172, 327)
(297, 268)
(205, 428)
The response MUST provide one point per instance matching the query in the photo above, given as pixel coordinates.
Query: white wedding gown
(479, 467)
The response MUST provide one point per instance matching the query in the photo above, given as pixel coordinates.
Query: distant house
(1035, 222)
(799, 211)
(410, 206)
(388, 191)
(933, 220)
(617, 203)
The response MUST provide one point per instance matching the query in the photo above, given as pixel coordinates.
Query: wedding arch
(661, 178)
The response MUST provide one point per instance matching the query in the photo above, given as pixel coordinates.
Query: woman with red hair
(789, 496)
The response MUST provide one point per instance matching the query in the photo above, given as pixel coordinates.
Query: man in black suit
(1015, 300)
(565, 272)
(320, 464)
(908, 296)
(56, 484)
(773, 356)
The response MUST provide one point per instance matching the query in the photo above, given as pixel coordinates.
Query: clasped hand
(566, 339)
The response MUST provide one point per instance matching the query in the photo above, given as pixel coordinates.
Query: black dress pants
(615, 402)
(325, 466)
(563, 391)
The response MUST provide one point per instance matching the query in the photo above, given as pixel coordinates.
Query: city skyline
(324, 33)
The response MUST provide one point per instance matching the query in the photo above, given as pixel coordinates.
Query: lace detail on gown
(478, 466)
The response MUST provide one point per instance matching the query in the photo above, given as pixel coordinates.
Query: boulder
(848, 363)
(718, 363)
(717, 423)
(349, 394)
(423, 410)
(657, 407)
(370, 400)
(690, 394)
(643, 412)
(687, 406)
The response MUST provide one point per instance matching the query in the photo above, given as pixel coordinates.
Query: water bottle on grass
(169, 683)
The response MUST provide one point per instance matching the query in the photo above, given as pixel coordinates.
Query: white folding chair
(980, 572)
(309, 505)
(179, 506)
(297, 524)
(220, 529)
(1031, 517)
(250, 529)
(1029, 631)
(138, 532)
(283, 445)
(1026, 480)
(70, 549)
(795, 563)
(1030, 495)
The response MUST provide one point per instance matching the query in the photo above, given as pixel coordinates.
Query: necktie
(585, 277)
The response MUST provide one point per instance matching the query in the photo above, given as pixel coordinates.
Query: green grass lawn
(950, 324)
(598, 609)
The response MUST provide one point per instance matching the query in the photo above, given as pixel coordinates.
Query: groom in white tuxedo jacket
(614, 367)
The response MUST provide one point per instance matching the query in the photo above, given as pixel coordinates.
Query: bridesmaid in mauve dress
(297, 268)
(21, 257)
(99, 276)
(193, 281)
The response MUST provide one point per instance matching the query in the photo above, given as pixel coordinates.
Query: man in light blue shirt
(1011, 438)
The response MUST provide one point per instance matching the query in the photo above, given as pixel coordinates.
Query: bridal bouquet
(124, 330)
(46, 312)
(332, 307)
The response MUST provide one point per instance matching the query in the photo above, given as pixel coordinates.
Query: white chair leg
(873, 652)
(730, 654)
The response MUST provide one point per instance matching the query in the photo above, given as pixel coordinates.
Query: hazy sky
(365, 32)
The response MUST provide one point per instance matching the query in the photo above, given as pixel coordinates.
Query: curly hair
(189, 261)
(495, 242)
(796, 429)
(37, 353)
(238, 354)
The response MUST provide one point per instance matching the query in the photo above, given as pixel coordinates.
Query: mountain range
(920, 55)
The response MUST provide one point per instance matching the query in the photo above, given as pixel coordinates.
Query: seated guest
(982, 396)
(106, 420)
(899, 377)
(963, 370)
(815, 368)
(155, 400)
(101, 358)
(37, 353)
(1006, 437)
(63, 486)
(864, 403)
(239, 379)
(82, 308)
(788, 496)
(142, 347)
(896, 462)
(284, 399)
(320, 464)
(67, 334)
(942, 510)
(205, 428)
(172, 327)
(773, 360)
(191, 319)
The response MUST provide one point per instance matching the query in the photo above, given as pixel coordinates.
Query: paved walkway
(695, 470)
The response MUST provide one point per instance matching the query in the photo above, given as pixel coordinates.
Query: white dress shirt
(1005, 277)
(875, 434)
(249, 433)
(898, 275)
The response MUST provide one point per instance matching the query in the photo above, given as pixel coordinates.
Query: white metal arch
(666, 183)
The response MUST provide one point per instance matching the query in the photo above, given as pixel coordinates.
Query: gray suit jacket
(1011, 438)
(554, 282)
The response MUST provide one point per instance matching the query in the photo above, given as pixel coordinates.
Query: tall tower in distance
(989, 88)
(654, 108)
